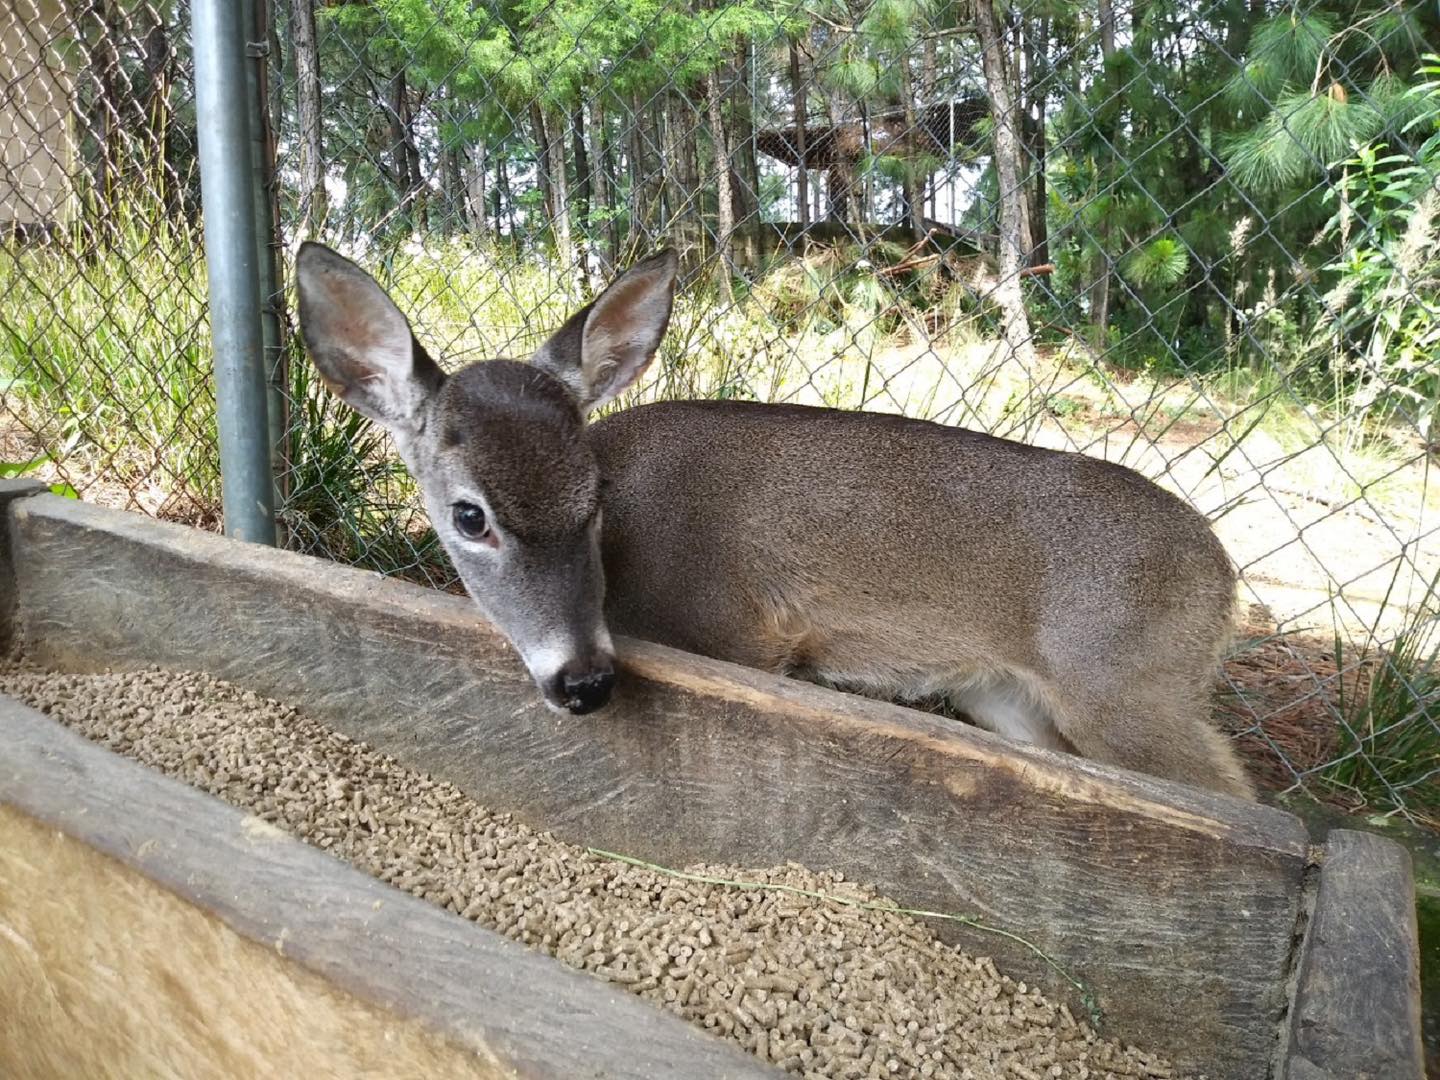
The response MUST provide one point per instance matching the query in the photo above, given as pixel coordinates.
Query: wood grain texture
(1167, 901)
(104, 974)
(454, 993)
(10, 490)
(1357, 1003)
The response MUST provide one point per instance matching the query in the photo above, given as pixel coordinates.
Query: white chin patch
(545, 660)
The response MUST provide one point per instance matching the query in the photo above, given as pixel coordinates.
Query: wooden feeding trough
(1207, 929)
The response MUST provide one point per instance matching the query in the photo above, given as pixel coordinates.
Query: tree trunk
(1100, 282)
(453, 184)
(744, 169)
(153, 101)
(583, 188)
(476, 196)
(1039, 198)
(669, 165)
(101, 119)
(560, 185)
(929, 80)
(725, 211)
(799, 91)
(1018, 75)
(673, 167)
(1036, 67)
(407, 156)
(1107, 29)
(929, 86)
(1240, 22)
(600, 171)
(313, 202)
(542, 166)
(839, 178)
(650, 177)
(504, 199)
(1003, 111)
(867, 181)
(692, 167)
(914, 189)
(642, 179)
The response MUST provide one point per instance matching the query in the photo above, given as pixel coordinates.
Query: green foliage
(890, 24)
(1285, 51)
(1317, 85)
(348, 495)
(104, 351)
(1062, 405)
(856, 75)
(1382, 317)
(898, 169)
(1159, 264)
(1389, 752)
(1402, 105)
(11, 470)
(1304, 132)
(521, 51)
(486, 76)
(866, 65)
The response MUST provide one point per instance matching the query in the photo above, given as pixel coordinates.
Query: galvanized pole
(228, 199)
(255, 16)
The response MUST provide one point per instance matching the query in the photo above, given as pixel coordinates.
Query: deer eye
(470, 521)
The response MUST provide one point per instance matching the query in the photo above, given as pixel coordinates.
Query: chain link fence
(1199, 240)
(104, 359)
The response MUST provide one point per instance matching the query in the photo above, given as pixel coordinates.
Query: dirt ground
(1276, 697)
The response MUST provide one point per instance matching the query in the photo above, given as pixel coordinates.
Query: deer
(1046, 596)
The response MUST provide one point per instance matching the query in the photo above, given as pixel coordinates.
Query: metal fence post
(228, 198)
(256, 18)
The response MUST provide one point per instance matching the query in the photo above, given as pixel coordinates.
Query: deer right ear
(359, 340)
(603, 348)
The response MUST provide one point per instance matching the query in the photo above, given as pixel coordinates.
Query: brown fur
(1051, 597)
(103, 974)
(905, 559)
(553, 488)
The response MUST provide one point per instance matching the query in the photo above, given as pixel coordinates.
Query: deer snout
(583, 687)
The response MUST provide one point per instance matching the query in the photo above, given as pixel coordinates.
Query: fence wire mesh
(1196, 239)
(106, 381)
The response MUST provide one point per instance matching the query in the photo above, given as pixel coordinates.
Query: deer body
(1050, 597)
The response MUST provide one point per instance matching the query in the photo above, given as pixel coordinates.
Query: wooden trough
(178, 929)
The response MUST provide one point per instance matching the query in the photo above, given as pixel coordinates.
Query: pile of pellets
(818, 988)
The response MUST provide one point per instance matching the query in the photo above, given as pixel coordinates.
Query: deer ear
(360, 342)
(606, 346)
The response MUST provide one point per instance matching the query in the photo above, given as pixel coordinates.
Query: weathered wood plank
(1166, 901)
(193, 929)
(104, 973)
(10, 490)
(1357, 1003)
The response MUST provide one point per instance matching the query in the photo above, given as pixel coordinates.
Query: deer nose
(584, 690)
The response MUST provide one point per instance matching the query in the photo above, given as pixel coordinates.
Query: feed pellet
(820, 989)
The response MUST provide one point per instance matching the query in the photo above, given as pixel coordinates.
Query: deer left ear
(603, 348)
